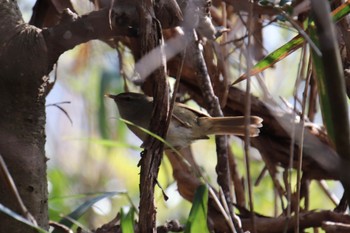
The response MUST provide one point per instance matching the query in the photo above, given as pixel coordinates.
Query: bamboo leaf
(197, 220)
(127, 220)
(153, 135)
(19, 218)
(324, 97)
(78, 212)
(330, 79)
(290, 46)
(341, 11)
(274, 57)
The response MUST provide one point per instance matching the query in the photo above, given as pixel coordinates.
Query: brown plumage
(187, 124)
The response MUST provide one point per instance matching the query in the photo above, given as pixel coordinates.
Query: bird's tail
(231, 125)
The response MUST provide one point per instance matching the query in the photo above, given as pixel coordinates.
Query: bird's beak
(110, 96)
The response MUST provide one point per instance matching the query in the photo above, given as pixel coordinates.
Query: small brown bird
(186, 125)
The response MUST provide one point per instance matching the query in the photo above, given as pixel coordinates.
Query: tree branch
(212, 102)
(151, 37)
(307, 220)
(94, 25)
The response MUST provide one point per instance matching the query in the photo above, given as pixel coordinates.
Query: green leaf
(290, 46)
(330, 80)
(177, 153)
(127, 220)
(322, 89)
(341, 11)
(78, 212)
(153, 135)
(274, 57)
(197, 220)
(19, 218)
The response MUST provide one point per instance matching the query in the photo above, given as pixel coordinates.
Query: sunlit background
(91, 152)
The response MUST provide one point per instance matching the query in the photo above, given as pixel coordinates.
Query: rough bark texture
(150, 38)
(22, 118)
(27, 54)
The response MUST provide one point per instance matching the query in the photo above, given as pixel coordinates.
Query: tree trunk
(23, 64)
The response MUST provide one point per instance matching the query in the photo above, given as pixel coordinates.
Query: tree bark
(150, 38)
(27, 55)
(23, 65)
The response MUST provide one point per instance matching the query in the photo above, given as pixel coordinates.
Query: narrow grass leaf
(334, 101)
(341, 11)
(274, 57)
(325, 102)
(153, 135)
(78, 212)
(127, 220)
(292, 45)
(19, 218)
(197, 220)
(176, 152)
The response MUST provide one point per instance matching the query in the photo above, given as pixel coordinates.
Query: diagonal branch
(222, 168)
(94, 25)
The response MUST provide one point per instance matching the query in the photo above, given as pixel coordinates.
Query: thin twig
(334, 199)
(247, 117)
(222, 168)
(291, 155)
(222, 210)
(224, 54)
(301, 31)
(236, 178)
(176, 87)
(261, 176)
(302, 119)
(57, 105)
(8, 180)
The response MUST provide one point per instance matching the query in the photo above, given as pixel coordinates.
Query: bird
(186, 125)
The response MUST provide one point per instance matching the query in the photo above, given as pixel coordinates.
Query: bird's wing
(195, 111)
